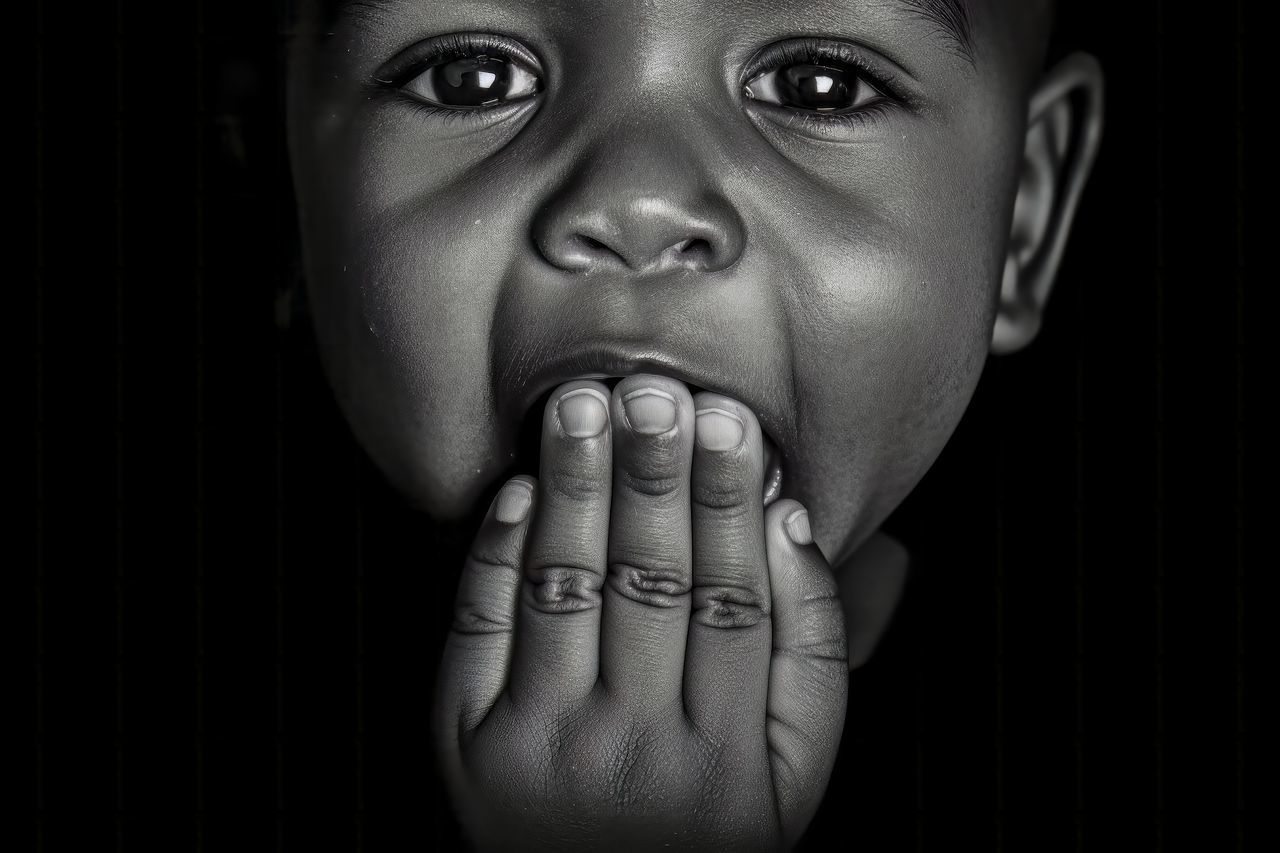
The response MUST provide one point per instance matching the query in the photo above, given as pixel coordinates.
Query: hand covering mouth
(529, 437)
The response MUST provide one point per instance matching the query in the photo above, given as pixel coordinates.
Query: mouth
(527, 451)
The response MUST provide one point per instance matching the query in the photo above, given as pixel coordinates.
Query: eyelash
(807, 120)
(811, 50)
(393, 76)
(408, 65)
(421, 56)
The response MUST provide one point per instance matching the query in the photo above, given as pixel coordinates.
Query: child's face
(844, 271)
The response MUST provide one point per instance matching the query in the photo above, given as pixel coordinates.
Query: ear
(1063, 131)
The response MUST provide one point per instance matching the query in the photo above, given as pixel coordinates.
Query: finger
(809, 671)
(646, 597)
(478, 648)
(556, 655)
(727, 661)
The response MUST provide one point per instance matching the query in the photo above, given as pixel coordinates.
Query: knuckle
(819, 670)
(489, 561)
(473, 618)
(496, 554)
(729, 606)
(576, 483)
(727, 499)
(482, 591)
(659, 583)
(826, 650)
(563, 589)
(656, 485)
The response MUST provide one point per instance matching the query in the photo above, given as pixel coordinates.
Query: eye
(823, 88)
(473, 81)
(815, 87)
(464, 72)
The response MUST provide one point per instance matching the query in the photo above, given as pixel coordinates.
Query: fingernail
(582, 413)
(650, 411)
(513, 502)
(719, 429)
(797, 525)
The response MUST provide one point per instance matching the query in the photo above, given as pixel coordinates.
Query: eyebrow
(950, 16)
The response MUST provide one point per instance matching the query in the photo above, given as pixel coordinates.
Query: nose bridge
(646, 163)
(643, 191)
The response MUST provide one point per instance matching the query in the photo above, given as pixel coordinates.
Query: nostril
(589, 253)
(696, 247)
(695, 253)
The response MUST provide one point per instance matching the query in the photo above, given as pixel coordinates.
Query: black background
(233, 624)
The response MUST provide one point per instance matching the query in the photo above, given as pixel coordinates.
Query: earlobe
(1064, 128)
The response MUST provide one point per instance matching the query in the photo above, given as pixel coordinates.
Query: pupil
(472, 81)
(817, 87)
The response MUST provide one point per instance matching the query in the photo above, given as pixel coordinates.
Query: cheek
(403, 268)
(917, 327)
(892, 328)
(883, 381)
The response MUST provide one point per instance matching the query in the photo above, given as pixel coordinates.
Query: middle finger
(646, 598)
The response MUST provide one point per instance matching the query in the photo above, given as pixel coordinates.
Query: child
(704, 286)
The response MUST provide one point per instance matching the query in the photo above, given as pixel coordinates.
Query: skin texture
(643, 657)
(848, 295)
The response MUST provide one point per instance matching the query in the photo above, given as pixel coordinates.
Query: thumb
(809, 671)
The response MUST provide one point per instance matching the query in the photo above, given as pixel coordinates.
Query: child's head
(831, 211)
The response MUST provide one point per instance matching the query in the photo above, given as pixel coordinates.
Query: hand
(641, 657)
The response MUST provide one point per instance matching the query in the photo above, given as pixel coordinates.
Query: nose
(644, 207)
